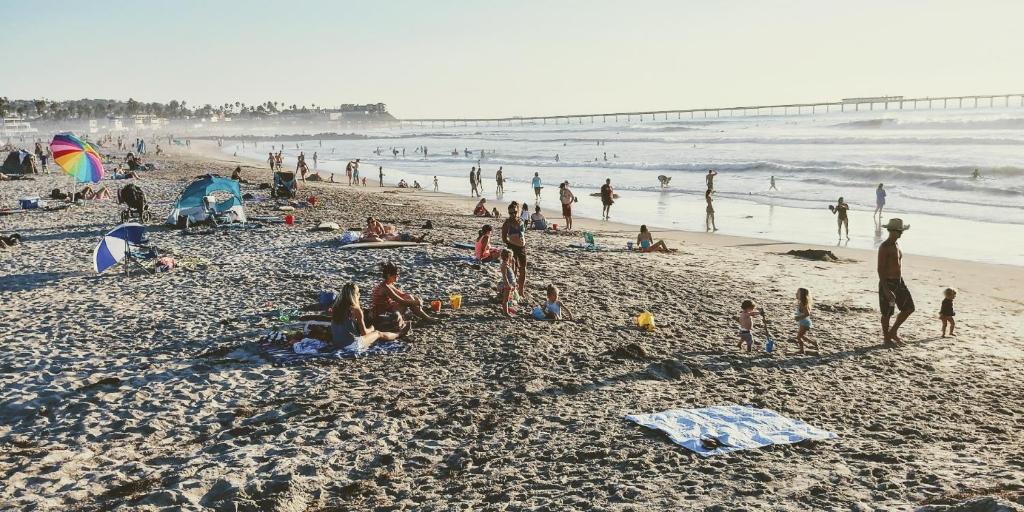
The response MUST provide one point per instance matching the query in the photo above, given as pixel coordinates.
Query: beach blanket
(286, 355)
(380, 245)
(728, 428)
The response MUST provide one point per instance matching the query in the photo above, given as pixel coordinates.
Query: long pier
(847, 105)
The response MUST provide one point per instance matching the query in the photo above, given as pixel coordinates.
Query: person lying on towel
(375, 231)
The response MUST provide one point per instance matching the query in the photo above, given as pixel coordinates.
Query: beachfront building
(16, 126)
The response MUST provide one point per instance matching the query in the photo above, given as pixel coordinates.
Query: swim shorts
(745, 336)
(904, 301)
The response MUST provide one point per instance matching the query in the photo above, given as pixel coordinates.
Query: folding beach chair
(284, 185)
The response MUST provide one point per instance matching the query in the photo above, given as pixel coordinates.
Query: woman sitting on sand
(348, 324)
(484, 252)
(537, 220)
(647, 244)
(376, 231)
(390, 306)
(481, 209)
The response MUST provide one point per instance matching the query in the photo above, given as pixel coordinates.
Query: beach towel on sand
(730, 427)
(276, 350)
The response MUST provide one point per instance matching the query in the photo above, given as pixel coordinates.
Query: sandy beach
(152, 392)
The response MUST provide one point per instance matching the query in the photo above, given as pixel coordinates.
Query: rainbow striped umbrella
(77, 158)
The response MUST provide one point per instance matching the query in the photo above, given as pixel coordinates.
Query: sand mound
(813, 254)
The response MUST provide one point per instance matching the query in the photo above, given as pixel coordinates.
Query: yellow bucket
(645, 320)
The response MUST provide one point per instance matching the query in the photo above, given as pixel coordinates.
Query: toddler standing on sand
(746, 320)
(803, 318)
(946, 313)
(507, 283)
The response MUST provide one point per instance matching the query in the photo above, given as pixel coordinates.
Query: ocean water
(924, 158)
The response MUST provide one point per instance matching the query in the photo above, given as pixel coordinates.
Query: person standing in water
(773, 187)
(841, 209)
(500, 190)
(709, 219)
(892, 290)
(710, 179)
(879, 200)
(380, 175)
(976, 174)
(479, 178)
(472, 182)
(607, 199)
(314, 162)
(355, 173)
(435, 183)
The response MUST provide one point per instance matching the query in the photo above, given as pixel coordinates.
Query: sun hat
(896, 225)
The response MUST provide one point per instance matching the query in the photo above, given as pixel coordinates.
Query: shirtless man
(709, 178)
(892, 290)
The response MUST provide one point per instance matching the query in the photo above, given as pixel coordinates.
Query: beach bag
(326, 298)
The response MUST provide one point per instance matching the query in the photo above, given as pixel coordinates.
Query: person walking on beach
(841, 209)
(879, 200)
(355, 172)
(381, 175)
(500, 180)
(710, 179)
(435, 183)
(472, 182)
(773, 187)
(537, 185)
(892, 290)
(607, 199)
(348, 171)
(479, 178)
(300, 166)
(566, 197)
(271, 160)
(314, 162)
(709, 219)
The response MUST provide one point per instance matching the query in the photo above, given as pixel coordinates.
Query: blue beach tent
(227, 194)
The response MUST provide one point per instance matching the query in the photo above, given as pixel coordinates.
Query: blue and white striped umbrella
(116, 244)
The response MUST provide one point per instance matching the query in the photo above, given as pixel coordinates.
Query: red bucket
(289, 219)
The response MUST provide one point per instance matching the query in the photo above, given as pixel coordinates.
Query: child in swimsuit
(507, 283)
(802, 315)
(946, 314)
(746, 321)
(552, 308)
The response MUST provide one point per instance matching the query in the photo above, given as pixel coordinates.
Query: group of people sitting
(404, 184)
(535, 220)
(390, 317)
(480, 210)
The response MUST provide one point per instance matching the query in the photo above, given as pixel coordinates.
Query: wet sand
(151, 392)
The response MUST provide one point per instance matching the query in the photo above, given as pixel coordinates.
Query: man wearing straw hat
(892, 290)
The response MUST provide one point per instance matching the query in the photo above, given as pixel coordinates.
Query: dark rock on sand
(814, 254)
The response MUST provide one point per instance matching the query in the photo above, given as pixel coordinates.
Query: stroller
(284, 185)
(136, 205)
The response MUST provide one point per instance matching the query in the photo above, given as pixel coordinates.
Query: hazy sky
(521, 57)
